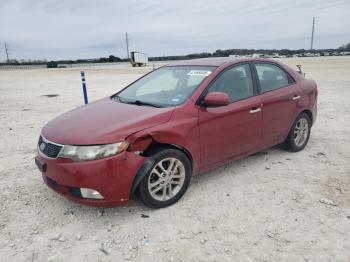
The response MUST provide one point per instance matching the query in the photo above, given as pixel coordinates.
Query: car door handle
(255, 110)
(296, 97)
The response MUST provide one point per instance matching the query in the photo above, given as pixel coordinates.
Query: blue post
(84, 87)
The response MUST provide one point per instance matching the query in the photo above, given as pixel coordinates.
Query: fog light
(90, 193)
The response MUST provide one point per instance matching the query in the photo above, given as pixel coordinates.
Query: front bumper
(112, 177)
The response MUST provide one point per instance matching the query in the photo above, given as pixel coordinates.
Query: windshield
(167, 86)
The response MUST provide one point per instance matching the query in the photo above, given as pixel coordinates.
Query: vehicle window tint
(161, 82)
(166, 86)
(236, 82)
(271, 77)
(194, 80)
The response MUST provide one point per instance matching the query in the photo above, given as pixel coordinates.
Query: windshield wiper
(141, 103)
(135, 102)
(116, 98)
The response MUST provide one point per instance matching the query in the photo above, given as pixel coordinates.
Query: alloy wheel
(301, 132)
(166, 179)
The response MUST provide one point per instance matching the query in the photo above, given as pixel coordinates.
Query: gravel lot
(272, 206)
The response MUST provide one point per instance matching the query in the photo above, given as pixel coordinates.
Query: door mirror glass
(215, 99)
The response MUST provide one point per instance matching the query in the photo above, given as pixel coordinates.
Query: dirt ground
(272, 206)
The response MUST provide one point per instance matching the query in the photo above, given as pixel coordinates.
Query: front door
(227, 132)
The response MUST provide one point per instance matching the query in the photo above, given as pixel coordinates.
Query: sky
(71, 29)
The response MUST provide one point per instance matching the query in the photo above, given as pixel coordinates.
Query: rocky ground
(272, 206)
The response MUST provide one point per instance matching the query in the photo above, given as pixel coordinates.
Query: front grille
(48, 149)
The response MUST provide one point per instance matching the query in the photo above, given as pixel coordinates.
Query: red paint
(103, 122)
(229, 131)
(216, 99)
(112, 176)
(211, 135)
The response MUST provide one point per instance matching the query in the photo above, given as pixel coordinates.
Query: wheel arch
(306, 111)
(309, 113)
(154, 147)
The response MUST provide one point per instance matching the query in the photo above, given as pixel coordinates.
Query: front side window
(271, 77)
(236, 82)
(167, 86)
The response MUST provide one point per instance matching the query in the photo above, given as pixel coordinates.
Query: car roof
(216, 61)
(227, 61)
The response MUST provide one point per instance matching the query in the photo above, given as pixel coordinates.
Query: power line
(312, 34)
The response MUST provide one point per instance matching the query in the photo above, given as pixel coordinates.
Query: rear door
(229, 131)
(279, 96)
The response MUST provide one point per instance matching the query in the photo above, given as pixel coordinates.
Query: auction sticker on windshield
(199, 73)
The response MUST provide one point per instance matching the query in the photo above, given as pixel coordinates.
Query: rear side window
(236, 82)
(271, 77)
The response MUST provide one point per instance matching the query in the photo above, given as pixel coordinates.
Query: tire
(303, 123)
(161, 186)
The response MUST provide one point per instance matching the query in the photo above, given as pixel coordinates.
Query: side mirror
(214, 99)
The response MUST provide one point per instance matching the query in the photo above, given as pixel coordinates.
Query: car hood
(102, 122)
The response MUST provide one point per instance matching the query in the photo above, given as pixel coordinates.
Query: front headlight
(83, 153)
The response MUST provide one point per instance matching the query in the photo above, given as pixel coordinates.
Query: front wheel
(168, 179)
(300, 133)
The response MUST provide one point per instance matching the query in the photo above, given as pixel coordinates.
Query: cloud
(70, 29)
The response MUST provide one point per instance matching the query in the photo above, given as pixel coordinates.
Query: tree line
(217, 53)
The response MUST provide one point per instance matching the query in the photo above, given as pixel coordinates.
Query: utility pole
(127, 44)
(312, 34)
(7, 53)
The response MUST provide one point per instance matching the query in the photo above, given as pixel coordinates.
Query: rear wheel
(168, 179)
(299, 134)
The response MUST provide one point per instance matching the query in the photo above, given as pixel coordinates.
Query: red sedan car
(173, 123)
